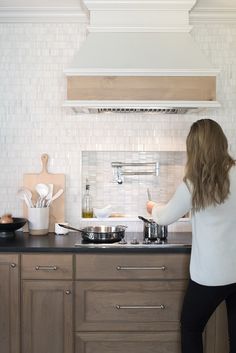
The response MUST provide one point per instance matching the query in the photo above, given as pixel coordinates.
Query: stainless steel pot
(100, 234)
(152, 231)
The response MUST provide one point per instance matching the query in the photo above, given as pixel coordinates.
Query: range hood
(139, 56)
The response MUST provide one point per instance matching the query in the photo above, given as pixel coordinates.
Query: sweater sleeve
(176, 208)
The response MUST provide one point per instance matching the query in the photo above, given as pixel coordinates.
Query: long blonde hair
(208, 164)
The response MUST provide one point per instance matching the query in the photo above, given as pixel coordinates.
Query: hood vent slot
(143, 111)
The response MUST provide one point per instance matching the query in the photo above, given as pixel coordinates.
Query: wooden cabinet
(47, 266)
(47, 304)
(127, 342)
(132, 303)
(9, 303)
(47, 317)
(221, 330)
(114, 303)
(132, 266)
(216, 333)
(129, 303)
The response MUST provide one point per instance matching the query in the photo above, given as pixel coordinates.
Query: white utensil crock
(38, 220)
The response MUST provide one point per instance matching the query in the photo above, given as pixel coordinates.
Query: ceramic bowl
(7, 230)
(102, 212)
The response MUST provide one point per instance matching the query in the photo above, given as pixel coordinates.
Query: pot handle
(71, 228)
(145, 220)
(122, 226)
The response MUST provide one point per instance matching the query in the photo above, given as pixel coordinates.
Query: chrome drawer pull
(140, 306)
(13, 265)
(162, 268)
(46, 268)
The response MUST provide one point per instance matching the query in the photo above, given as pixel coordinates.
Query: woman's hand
(149, 206)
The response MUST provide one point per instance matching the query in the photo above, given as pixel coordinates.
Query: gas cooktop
(136, 241)
(129, 245)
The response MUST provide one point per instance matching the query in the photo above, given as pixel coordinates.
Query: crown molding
(42, 14)
(78, 15)
(213, 15)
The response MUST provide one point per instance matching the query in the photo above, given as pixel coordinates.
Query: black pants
(199, 303)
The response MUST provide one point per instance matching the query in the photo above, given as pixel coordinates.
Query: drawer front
(47, 266)
(132, 266)
(128, 306)
(128, 342)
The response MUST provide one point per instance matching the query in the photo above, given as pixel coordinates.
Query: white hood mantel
(140, 56)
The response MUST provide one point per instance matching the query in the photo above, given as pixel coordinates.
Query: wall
(32, 90)
(130, 195)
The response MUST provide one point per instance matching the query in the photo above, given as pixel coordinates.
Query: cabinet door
(222, 338)
(47, 322)
(9, 304)
(216, 339)
(130, 342)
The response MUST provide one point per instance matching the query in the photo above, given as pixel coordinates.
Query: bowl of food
(9, 224)
(104, 212)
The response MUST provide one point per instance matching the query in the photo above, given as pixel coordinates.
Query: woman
(208, 190)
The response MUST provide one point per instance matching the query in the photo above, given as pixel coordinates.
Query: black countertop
(178, 242)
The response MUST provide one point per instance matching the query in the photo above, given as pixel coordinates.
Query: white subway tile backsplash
(130, 197)
(33, 121)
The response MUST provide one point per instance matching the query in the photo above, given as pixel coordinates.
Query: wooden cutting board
(57, 207)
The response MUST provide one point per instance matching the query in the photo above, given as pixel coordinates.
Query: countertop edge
(24, 243)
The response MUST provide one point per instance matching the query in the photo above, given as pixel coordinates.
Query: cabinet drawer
(128, 306)
(47, 266)
(132, 266)
(128, 342)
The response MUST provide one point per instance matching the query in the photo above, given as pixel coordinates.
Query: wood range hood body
(140, 56)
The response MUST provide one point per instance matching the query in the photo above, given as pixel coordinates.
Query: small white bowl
(102, 212)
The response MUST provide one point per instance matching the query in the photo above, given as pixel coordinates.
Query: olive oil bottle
(87, 202)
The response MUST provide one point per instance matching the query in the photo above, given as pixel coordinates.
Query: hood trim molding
(139, 29)
(141, 72)
(140, 104)
(140, 107)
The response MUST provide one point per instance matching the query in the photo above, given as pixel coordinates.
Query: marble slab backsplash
(129, 198)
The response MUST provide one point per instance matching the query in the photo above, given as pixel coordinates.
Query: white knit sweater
(213, 256)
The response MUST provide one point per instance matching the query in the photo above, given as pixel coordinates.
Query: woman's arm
(176, 208)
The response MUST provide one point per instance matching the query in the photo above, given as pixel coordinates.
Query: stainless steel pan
(100, 234)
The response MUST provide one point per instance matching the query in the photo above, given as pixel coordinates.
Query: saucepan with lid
(153, 231)
(100, 234)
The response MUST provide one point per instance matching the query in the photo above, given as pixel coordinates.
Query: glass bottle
(87, 204)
